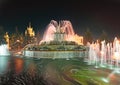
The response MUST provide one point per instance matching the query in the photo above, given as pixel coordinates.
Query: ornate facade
(29, 32)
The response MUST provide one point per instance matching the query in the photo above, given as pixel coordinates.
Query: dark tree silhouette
(104, 36)
(88, 36)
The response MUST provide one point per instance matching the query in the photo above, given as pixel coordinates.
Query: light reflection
(18, 65)
(3, 64)
(32, 69)
(105, 80)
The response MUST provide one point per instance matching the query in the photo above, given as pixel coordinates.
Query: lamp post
(18, 44)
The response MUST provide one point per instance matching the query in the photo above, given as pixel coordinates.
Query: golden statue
(6, 36)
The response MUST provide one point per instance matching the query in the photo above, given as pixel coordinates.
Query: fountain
(64, 27)
(103, 53)
(59, 41)
(93, 55)
(4, 50)
(116, 54)
(106, 55)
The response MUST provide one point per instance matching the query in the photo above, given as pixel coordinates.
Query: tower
(29, 32)
(30, 35)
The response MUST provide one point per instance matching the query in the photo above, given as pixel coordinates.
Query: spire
(29, 24)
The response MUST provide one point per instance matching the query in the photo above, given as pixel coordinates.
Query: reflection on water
(18, 62)
(19, 71)
(31, 71)
(4, 61)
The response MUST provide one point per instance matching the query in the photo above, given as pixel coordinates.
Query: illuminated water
(64, 27)
(32, 71)
(105, 54)
(25, 71)
(18, 71)
(4, 50)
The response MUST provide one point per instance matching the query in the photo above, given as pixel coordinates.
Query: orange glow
(78, 39)
(112, 77)
(18, 65)
(116, 56)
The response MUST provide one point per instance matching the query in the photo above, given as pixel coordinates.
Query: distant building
(30, 37)
(29, 32)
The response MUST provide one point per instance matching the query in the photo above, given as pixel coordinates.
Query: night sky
(97, 15)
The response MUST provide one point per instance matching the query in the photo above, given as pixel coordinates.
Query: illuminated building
(29, 35)
(29, 32)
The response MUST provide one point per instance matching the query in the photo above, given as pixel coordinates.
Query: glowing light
(4, 50)
(102, 52)
(30, 31)
(105, 80)
(116, 56)
(78, 39)
(18, 65)
(18, 40)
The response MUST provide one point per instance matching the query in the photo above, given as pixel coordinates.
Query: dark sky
(97, 15)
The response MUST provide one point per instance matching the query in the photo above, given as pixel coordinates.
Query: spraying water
(4, 50)
(107, 55)
(64, 27)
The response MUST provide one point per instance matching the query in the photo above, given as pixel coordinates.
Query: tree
(16, 40)
(88, 36)
(38, 37)
(2, 35)
(1, 31)
(104, 36)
